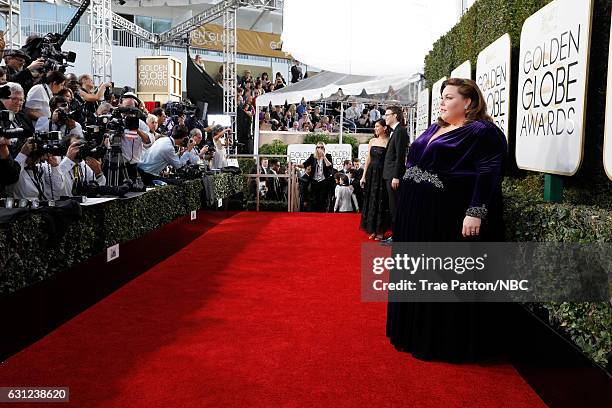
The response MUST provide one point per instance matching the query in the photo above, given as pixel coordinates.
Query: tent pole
(341, 121)
(256, 136)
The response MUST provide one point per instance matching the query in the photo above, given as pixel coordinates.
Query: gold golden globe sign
(212, 37)
(159, 78)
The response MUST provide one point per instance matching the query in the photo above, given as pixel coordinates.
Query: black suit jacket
(395, 158)
(328, 171)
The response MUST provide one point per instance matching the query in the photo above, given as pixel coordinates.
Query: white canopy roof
(326, 83)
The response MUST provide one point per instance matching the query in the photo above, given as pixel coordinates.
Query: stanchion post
(553, 188)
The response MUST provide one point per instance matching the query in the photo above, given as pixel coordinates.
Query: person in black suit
(320, 177)
(273, 184)
(395, 159)
(354, 181)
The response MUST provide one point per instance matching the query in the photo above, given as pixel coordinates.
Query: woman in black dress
(451, 191)
(375, 212)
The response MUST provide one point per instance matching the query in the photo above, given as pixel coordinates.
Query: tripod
(116, 167)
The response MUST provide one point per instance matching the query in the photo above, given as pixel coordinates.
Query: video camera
(176, 109)
(49, 48)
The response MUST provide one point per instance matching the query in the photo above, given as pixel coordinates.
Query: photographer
(37, 180)
(90, 95)
(9, 168)
(79, 173)
(163, 154)
(134, 141)
(15, 61)
(61, 120)
(193, 156)
(37, 101)
(14, 103)
(161, 120)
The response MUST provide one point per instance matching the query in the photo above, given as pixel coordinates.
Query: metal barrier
(293, 196)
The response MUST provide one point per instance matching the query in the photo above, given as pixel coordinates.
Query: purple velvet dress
(459, 172)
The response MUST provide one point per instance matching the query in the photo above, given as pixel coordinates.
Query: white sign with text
(607, 153)
(363, 153)
(422, 113)
(436, 98)
(493, 79)
(552, 82)
(463, 71)
(339, 153)
(298, 153)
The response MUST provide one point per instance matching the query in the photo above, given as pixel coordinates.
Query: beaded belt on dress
(417, 175)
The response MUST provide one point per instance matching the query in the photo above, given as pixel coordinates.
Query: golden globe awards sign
(463, 71)
(493, 79)
(436, 98)
(553, 67)
(422, 113)
(339, 153)
(363, 151)
(607, 153)
(298, 153)
(153, 75)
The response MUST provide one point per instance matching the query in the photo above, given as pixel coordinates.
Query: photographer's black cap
(16, 54)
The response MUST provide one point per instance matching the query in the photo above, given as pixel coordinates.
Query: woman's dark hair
(477, 109)
(264, 74)
(54, 77)
(344, 179)
(383, 123)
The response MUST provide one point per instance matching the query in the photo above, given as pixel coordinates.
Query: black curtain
(201, 87)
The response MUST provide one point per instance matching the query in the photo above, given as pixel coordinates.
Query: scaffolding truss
(101, 28)
(10, 14)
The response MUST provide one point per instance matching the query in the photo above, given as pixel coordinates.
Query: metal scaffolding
(101, 28)
(229, 65)
(10, 13)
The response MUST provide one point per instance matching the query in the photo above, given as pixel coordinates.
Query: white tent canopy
(325, 84)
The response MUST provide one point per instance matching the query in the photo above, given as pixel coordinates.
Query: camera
(48, 143)
(48, 47)
(108, 92)
(8, 129)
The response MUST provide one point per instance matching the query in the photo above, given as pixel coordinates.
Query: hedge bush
(529, 218)
(26, 255)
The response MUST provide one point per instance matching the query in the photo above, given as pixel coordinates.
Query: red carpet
(280, 323)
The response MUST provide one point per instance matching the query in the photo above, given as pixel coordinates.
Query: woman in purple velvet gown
(451, 192)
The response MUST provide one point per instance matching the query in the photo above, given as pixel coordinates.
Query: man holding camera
(134, 141)
(11, 99)
(79, 173)
(195, 154)
(61, 120)
(37, 180)
(15, 61)
(9, 168)
(163, 154)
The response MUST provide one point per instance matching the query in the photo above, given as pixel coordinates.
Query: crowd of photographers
(61, 136)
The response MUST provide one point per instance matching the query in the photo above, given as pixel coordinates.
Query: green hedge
(26, 255)
(584, 215)
(528, 218)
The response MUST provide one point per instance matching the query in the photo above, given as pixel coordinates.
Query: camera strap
(37, 181)
(46, 88)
